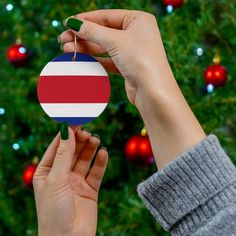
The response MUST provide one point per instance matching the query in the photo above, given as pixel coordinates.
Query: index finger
(49, 155)
(110, 18)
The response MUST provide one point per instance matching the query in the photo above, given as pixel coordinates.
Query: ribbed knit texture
(196, 193)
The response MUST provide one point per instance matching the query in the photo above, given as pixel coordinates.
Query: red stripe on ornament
(73, 89)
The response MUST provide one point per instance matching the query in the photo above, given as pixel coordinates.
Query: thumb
(65, 152)
(87, 30)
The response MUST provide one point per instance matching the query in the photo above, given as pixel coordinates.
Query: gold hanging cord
(75, 42)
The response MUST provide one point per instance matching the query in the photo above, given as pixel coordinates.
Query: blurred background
(200, 41)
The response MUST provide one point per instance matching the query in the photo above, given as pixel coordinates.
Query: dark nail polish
(64, 131)
(62, 47)
(85, 129)
(96, 136)
(74, 24)
(58, 39)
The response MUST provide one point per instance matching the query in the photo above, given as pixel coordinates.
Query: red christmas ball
(28, 175)
(216, 75)
(18, 55)
(138, 150)
(174, 3)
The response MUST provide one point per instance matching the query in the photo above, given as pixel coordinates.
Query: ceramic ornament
(73, 91)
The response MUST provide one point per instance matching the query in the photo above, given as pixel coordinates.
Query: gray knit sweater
(196, 193)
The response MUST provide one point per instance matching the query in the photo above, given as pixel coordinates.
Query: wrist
(171, 125)
(155, 81)
(160, 90)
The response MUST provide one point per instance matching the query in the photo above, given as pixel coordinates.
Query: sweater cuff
(185, 188)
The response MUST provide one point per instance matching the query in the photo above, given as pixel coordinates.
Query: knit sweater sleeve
(196, 193)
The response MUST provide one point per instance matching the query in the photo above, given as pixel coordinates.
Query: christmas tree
(196, 35)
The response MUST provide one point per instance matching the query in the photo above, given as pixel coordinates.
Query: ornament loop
(75, 42)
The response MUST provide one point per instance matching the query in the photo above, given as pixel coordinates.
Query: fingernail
(64, 131)
(95, 135)
(104, 148)
(58, 39)
(74, 24)
(62, 47)
(85, 129)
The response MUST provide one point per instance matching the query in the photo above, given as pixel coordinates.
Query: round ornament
(73, 91)
(18, 55)
(216, 75)
(138, 150)
(29, 174)
(173, 3)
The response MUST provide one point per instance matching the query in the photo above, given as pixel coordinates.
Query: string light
(169, 8)
(55, 23)
(199, 52)
(22, 50)
(16, 146)
(9, 7)
(210, 88)
(2, 111)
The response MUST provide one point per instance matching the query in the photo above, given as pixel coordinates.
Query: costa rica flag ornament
(73, 91)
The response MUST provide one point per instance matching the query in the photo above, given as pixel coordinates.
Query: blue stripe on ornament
(79, 57)
(74, 120)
